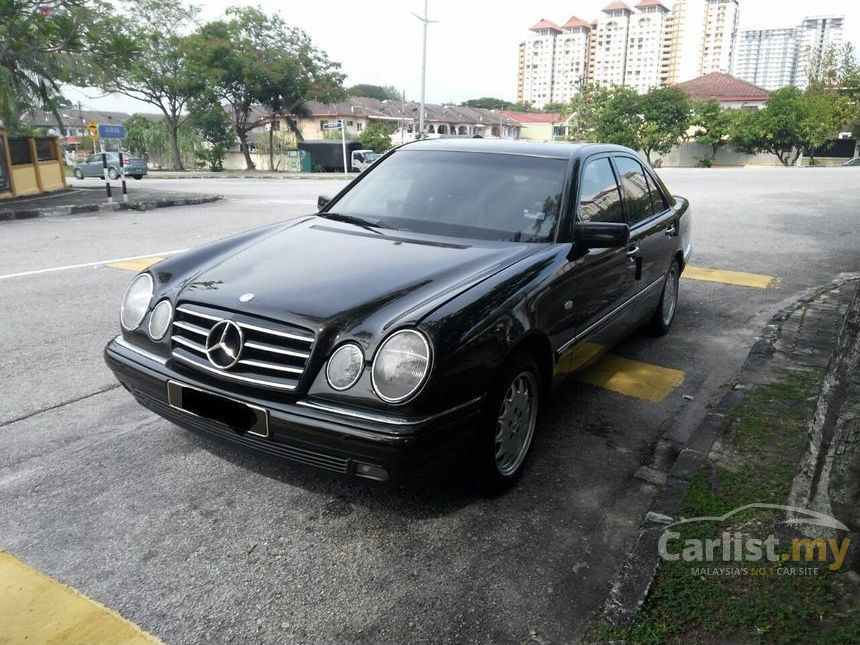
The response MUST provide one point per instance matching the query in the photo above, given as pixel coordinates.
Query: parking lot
(196, 543)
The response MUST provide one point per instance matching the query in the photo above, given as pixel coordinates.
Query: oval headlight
(160, 319)
(401, 365)
(136, 301)
(344, 367)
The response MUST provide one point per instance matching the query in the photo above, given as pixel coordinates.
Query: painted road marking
(135, 265)
(632, 378)
(739, 278)
(85, 265)
(37, 609)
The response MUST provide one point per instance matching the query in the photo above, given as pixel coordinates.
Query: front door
(602, 278)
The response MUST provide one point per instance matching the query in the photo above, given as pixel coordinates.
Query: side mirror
(322, 200)
(602, 235)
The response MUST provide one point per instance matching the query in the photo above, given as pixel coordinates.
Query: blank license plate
(238, 416)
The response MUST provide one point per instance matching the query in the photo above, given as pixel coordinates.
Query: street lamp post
(425, 21)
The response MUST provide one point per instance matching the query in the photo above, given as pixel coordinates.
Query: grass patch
(766, 439)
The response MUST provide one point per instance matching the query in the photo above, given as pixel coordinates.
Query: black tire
(138, 176)
(79, 173)
(494, 475)
(113, 173)
(664, 315)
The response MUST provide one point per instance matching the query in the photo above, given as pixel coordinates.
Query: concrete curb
(106, 207)
(633, 581)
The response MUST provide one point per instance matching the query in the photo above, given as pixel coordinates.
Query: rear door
(651, 222)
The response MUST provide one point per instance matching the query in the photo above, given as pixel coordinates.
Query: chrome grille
(272, 355)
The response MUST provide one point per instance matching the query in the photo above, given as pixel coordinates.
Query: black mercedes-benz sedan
(420, 318)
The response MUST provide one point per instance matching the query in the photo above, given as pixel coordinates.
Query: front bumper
(315, 433)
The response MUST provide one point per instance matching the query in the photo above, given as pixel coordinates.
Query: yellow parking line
(755, 280)
(37, 609)
(632, 378)
(135, 265)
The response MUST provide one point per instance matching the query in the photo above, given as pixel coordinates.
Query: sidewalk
(784, 441)
(78, 199)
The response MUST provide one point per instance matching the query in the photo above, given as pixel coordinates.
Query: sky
(471, 51)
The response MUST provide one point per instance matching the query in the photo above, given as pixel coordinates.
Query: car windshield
(504, 197)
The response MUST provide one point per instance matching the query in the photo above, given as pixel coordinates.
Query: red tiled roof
(617, 6)
(576, 22)
(651, 3)
(543, 23)
(531, 117)
(723, 87)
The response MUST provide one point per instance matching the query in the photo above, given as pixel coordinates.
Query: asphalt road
(198, 544)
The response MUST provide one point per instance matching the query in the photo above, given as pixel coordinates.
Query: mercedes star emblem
(246, 297)
(224, 344)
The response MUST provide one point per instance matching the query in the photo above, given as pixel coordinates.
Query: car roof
(559, 150)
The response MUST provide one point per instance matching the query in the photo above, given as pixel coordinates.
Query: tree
(618, 117)
(376, 136)
(834, 72)
(379, 92)
(153, 141)
(158, 73)
(554, 107)
(44, 43)
(713, 125)
(253, 58)
(214, 127)
(583, 110)
(488, 103)
(774, 129)
(665, 119)
(791, 122)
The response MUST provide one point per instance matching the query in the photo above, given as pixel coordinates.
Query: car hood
(321, 273)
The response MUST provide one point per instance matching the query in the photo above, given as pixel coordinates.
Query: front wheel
(79, 174)
(510, 418)
(665, 312)
(138, 176)
(113, 173)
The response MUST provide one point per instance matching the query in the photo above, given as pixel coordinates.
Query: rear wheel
(138, 176)
(665, 312)
(507, 433)
(113, 173)
(79, 174)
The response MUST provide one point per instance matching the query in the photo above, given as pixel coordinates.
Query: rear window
(504, 197)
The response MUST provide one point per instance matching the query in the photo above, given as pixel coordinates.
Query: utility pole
(424, 21)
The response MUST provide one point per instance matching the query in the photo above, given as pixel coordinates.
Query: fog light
(371, 472)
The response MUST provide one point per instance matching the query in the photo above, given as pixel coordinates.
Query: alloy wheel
(516, 422)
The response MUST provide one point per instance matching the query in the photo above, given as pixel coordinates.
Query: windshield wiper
(363, 222)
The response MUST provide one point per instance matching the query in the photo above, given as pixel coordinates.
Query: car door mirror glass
(322, 200)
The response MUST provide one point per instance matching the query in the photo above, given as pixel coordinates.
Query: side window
(637, 197)
(658, 202)
(599, 199)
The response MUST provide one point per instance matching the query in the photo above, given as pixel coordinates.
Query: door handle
(671, 230)
(632, 251)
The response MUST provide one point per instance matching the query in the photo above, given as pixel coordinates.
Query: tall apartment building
(536, 64)
(647, 46)
(774, 58)
(610, 49)
(815, 35)
(570, 64)
(767, 57)
(686, 40)
(721, 30)
(643, 47)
